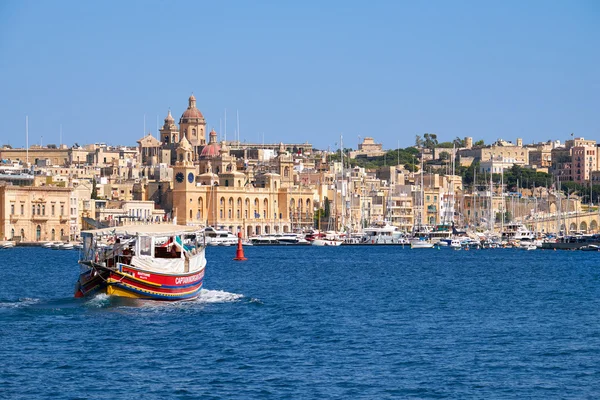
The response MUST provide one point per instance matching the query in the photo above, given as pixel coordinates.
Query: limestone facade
(30, 213)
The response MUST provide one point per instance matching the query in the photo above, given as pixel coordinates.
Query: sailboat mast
(27, 139)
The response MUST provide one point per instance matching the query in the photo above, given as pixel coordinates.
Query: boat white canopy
(144, 230)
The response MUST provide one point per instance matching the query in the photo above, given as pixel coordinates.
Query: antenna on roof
(225, 124)
(238, 127)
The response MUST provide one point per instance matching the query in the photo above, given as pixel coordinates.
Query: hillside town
(186, 175)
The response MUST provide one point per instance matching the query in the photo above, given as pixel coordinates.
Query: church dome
(212, 149)
(192, 111)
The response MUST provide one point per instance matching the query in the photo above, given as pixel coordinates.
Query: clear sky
(301, 71)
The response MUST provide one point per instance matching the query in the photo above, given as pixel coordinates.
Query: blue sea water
(311, 323)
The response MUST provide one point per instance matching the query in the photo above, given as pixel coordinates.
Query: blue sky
(301, 71)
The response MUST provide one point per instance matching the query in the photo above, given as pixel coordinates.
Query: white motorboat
(382, 233)
(48, 245)
(263, 240)
(292, 239)
(7, 245)
(420, 244)
(66, 246)
(219, 237)
(327, 242)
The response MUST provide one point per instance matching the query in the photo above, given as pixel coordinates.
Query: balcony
(39, 217)
(14, 218)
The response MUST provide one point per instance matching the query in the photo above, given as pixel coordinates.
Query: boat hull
(326, 242)
(130, 282)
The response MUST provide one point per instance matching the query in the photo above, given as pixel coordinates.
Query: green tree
(430, 140)
(94, 195)
(458, 142)
(418, 141)
(479, 143)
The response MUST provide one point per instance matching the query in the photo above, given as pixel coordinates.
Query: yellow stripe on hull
(113, 290)
(126, 290)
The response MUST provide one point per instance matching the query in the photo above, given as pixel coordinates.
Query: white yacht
(216, 237)
(383, 233)
(517, 231)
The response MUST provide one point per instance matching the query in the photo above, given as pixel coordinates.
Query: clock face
(179, 177)
(191, 177)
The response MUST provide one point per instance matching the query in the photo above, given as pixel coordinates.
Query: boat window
(145, 246)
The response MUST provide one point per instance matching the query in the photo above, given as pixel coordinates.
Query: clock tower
(184, 174)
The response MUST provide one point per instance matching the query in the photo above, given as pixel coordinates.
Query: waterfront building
(254, 203)
(35, 213)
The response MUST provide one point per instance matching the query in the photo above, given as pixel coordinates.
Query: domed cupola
(212, 149)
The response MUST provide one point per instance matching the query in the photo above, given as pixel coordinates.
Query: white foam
(98, 301)
(217, 296)
(23, 302)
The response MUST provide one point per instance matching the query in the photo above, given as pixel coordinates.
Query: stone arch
(593, 225)
(38, 233)
(583, 226)
(552, 207)
(267, 229)
(256, 208)
(249, 231)
(22, 234)
(292, 204)
(300, 205)
(53, 234)
(572, 227)
(286, 228)
(231, 209)
(265, 208)
(258, 229)
(239, 207)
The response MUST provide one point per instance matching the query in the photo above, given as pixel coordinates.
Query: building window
(43, 209)
(38, 233)
(62, 210)
(12, 209)
(22, 209)
(52, 208)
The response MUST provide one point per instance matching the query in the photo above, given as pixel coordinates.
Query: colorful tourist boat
(159, 262)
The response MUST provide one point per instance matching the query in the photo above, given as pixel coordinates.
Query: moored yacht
(383, 233)
(219, 237)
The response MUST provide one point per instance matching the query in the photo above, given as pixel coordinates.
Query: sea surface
(311, 323)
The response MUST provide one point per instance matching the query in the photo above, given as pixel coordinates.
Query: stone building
(30, 213)
(230, 200)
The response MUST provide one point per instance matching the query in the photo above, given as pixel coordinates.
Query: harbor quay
(185, 175)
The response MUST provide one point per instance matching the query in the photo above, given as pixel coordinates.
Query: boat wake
(23, 302)
(217, 296)
(206, 297)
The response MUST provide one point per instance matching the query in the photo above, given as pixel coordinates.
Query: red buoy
(239, 254)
